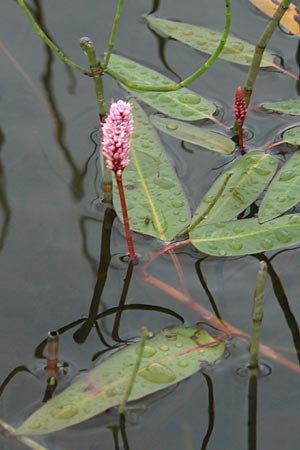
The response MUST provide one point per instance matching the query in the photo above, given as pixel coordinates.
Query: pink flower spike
(239, 105)
(116, 133)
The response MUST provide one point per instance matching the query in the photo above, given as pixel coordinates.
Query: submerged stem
(135, 370)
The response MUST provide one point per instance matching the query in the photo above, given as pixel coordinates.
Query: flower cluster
(239, 105)
(116, 133)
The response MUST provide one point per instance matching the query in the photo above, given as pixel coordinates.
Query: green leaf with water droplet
(291, 107)
(207, 40)
(283, 192)
(183, 104)
(210, 140)
(247, 237)
(292, 136)
(169, 357)
(155, 199)
(246, 179)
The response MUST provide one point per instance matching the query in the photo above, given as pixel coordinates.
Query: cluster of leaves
(156, 201)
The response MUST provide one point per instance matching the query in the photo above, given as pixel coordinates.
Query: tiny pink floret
(239, 105)
(116, 133)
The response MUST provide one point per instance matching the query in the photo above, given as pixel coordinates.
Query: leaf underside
(169, 357)
(183, 104)
(207, 40)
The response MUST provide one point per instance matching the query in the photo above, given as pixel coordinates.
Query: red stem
(131, 250)
(241, 139)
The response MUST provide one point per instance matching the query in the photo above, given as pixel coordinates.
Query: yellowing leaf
(290, 20)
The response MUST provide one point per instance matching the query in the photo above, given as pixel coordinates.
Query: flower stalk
(116, 134)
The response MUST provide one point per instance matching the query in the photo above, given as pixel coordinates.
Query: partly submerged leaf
(247, 177)
(246, 237)
(155, 200)
(169, 357)
(283, 192)
(291, 107)
(207, 40)
(183, 104)
(292, 135)
(290, 20)
(195, 135)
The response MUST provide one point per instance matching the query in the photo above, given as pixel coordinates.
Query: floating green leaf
(292, 136)
(207, 40)
(247, 178)
(283, 192)
(291, 107)
(155, 200)
(183, 104)
(195, 135)
(246, 237)
(169, 357)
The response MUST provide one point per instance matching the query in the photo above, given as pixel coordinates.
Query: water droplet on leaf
(158, 373)
(64, 412)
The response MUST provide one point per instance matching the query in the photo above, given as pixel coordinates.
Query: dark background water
(51, 219)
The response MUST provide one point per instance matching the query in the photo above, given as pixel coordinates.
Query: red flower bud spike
(116, 133)
(240, 112)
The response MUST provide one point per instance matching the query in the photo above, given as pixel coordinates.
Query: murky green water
(51, 229)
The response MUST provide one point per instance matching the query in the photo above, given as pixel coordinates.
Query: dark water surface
(51, 224)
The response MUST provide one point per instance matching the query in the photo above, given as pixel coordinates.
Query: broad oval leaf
(283, 192)
(155, 200)
(183, 104)
(292, 135)
(290, 20)
(169, 357)
(291, 107)
(207, 40)
(195, 135)
(247, 177)
(246, 237)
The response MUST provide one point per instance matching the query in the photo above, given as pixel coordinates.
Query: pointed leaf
(169, 357)
(155, 200)
(283, 192)
(291, 107)
(292, 136)
(246, 237)
(207, 40)
(290, 20)
(250, 174)
(195, 135)
(183, 104)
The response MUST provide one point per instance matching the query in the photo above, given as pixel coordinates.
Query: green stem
(25, 440)
(113, 34)
(188, 80)
(88, 47)
(48, 41)
(135, 370)
(257, 314)
(261, 46)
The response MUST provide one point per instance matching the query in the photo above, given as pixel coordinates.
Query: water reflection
(4, 205)
(60, 129)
